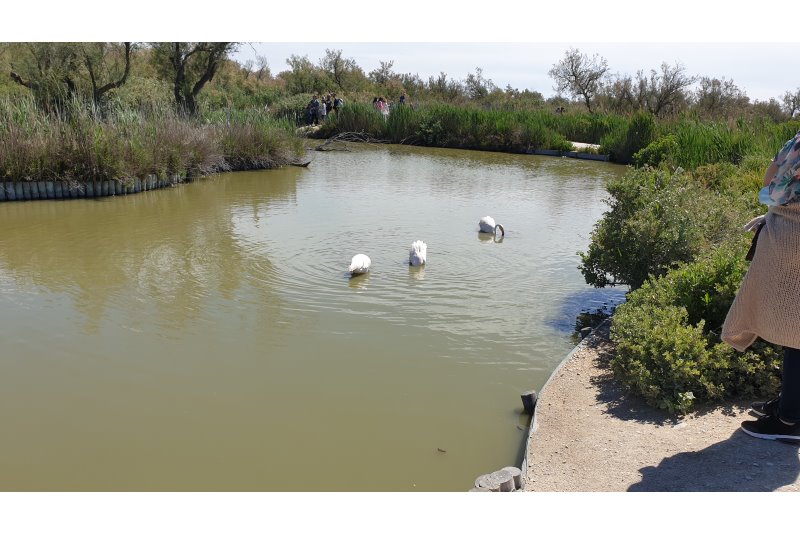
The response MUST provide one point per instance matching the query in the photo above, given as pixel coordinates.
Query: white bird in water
(418, 254)
(359, 264)
(487, 225)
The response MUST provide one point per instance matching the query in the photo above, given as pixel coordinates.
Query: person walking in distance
(337, 104)
(768, 302)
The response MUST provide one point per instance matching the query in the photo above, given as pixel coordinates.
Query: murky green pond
(207, 337)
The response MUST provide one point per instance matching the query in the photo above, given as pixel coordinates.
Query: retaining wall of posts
(57, 190)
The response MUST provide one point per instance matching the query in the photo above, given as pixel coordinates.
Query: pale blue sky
(514, 41)
(757, 68)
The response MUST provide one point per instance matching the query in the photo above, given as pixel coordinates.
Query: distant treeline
(639, 139)
(90, 96)
(199, 77)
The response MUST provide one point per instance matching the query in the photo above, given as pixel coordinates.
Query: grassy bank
(638, 139)
(449, 126)
(83, 143)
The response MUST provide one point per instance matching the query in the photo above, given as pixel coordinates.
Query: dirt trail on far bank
(590, 436)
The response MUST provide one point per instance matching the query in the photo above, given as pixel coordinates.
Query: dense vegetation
(81, 144)
(646, 119)
(674, 236)
(697, 145)
(90, 111)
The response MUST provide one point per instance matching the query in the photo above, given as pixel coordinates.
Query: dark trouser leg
(789, 408)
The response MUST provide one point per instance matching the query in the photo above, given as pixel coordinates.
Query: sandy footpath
(590, 436)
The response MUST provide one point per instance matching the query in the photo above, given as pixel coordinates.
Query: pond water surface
(207, 337)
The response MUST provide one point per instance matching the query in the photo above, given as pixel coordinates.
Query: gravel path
(590, 436)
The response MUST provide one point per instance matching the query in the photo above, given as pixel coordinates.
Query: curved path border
(534, 423)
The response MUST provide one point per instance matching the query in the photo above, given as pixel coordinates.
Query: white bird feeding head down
(488, 225)
(417, 256)
(359, 264)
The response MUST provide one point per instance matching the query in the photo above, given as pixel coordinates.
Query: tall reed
(81, 142)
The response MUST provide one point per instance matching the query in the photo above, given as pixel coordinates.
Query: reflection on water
(416, 273)
(486, 237)
(208, 337)
(359, 282)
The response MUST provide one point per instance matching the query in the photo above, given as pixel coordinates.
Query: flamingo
(418, 254)
(359, 265)
(487, 225)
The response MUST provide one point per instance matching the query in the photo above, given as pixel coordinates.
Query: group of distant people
(318, 110)
(384, 106)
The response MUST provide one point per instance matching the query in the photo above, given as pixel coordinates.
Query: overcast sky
(757, 68)
(515, 42)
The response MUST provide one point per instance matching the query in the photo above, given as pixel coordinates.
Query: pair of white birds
(417, 256)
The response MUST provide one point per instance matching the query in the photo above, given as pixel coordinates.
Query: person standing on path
(768, 302)
(337, 104)
(315, 110)
(323, 111)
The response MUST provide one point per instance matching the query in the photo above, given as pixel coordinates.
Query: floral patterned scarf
(785, 186)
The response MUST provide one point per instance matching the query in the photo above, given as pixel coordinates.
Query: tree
(189, 67)
(262, 70)
(49, 70)
(54, 71)
(579, 75)
(303, 77)
(617, 95)
(342, 71)
(383, 73)
(719, 98)
(665, 90)
(477, 86)
(412, 83)
(111, 60)
(444, 88)
(791, 102)
(771, 109)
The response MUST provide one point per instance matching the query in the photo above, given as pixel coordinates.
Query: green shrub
(660, 151)
(667, 335)
(656, 219)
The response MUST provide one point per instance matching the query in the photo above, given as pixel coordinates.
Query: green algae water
(208, 338)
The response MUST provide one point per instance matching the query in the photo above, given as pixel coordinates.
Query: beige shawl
(768, 302)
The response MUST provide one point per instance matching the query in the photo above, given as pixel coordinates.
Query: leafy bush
(667, 335)
(656, 219)
(660, 151)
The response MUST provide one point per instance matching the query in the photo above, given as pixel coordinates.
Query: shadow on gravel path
(739, 464)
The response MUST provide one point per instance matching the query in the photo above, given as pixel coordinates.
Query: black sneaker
(770, 407)
(771, 428)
